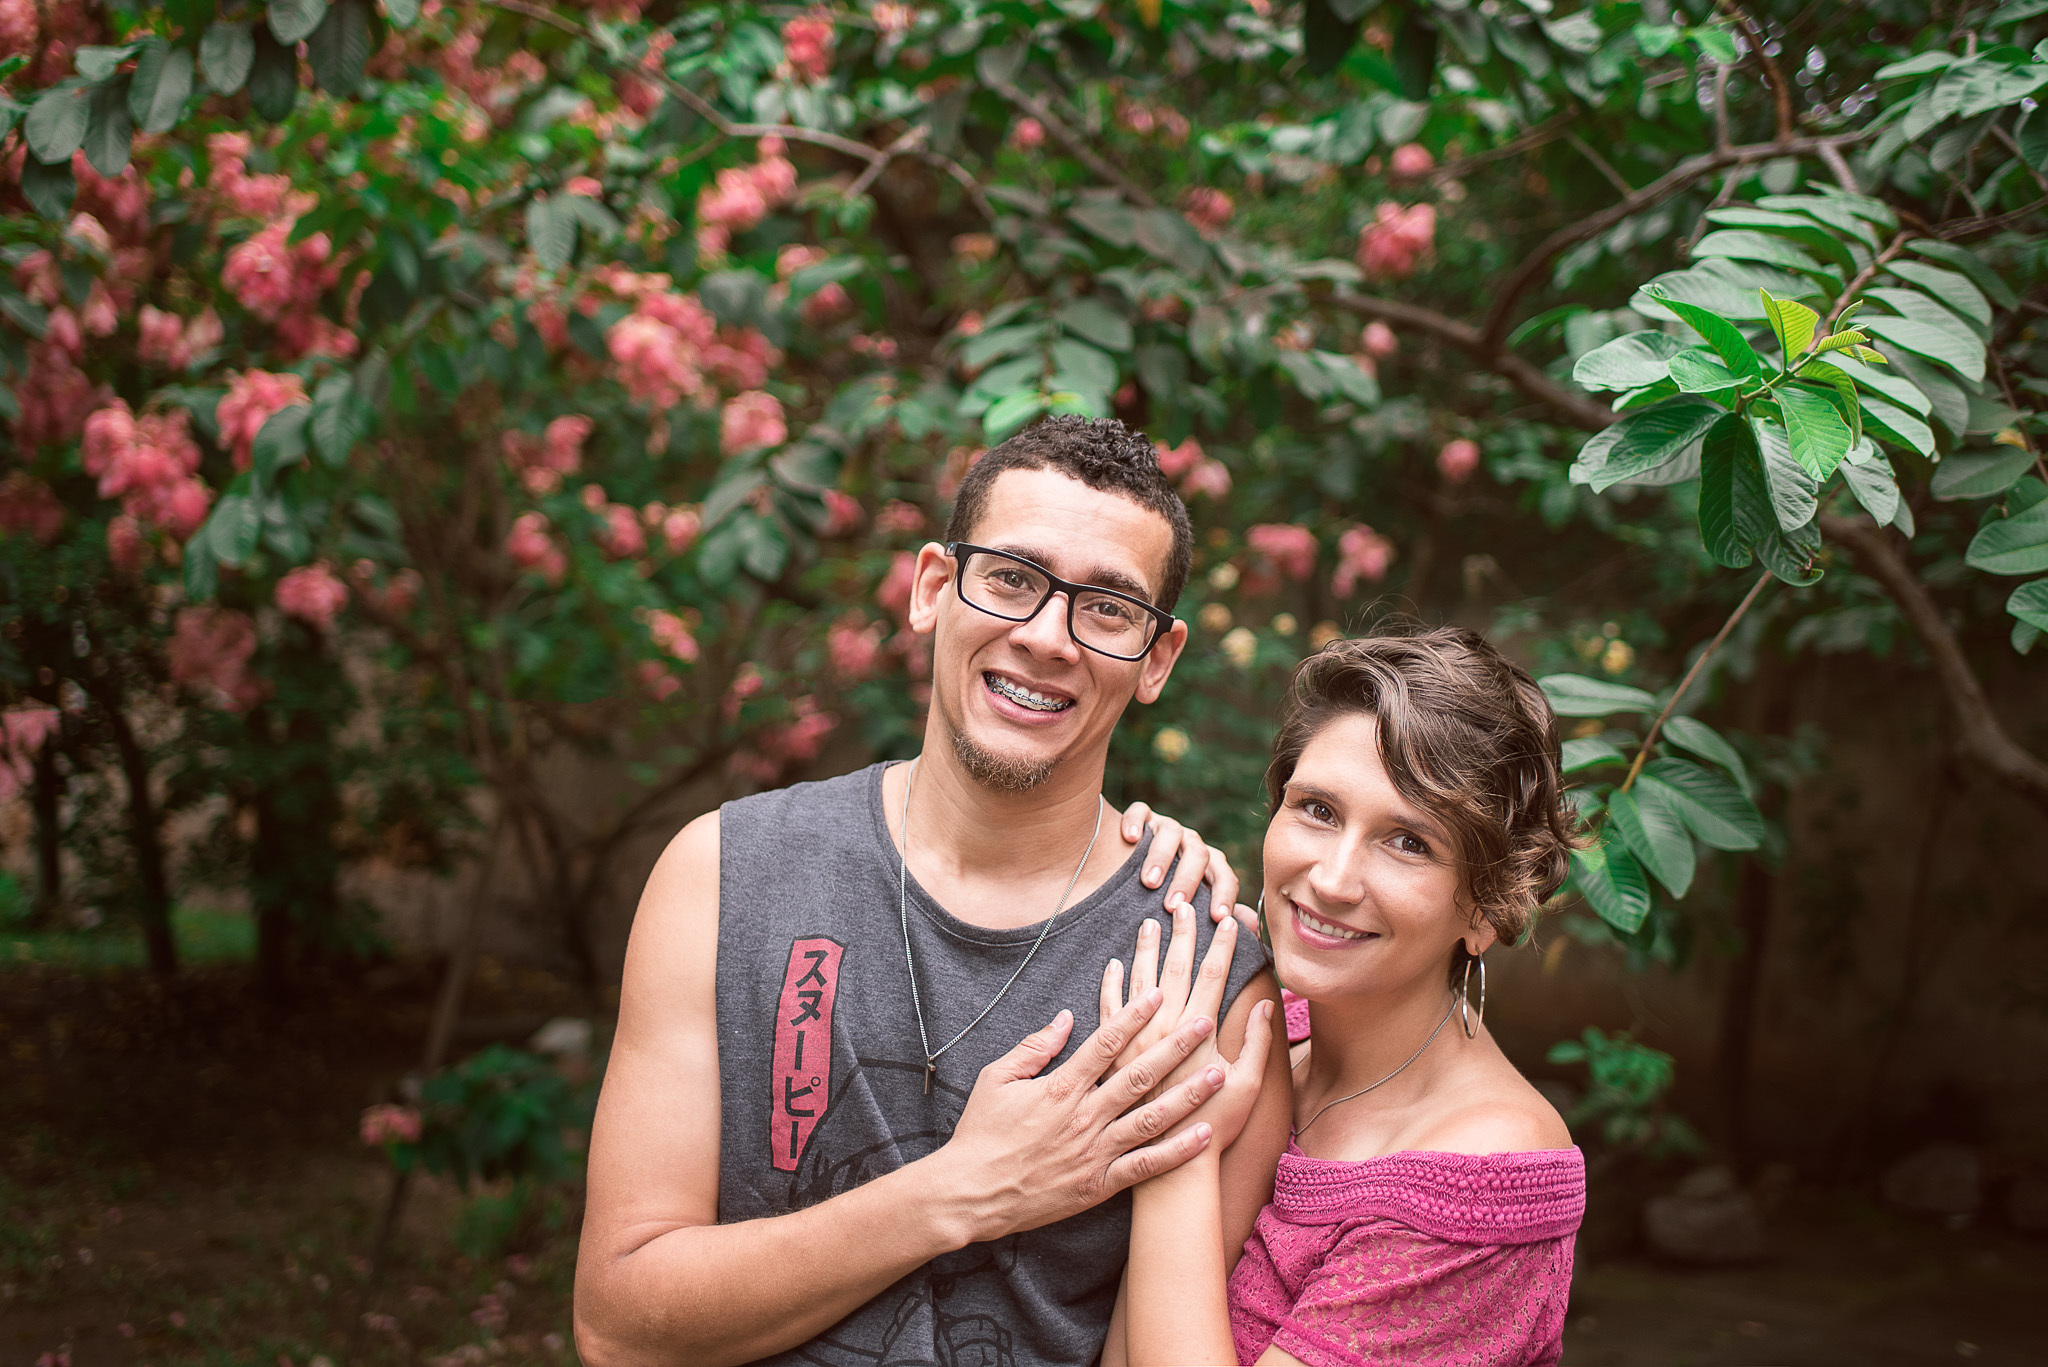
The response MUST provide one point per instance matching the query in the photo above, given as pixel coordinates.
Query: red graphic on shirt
(802, 1076)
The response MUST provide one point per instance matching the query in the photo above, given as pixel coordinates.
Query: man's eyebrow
(1103, 577)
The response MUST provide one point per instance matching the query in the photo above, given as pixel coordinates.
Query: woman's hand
(1188, 995)
(1200, 862)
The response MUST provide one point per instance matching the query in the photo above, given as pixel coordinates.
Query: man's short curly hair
(1103, 454)
(1465, 734)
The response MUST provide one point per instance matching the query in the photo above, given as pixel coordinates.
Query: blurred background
(455, 444)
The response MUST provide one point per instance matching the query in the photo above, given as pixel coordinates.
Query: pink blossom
(843, 514)
(39, 278)
(1379, 341)
(1210, 476)
(227, 176)
(55, 398)
(671, 634)
(389, 1124)
(1410, 159)
(679, 528)
(541, 464)
(270, 275)
(1208, 208)
(161, 338)
(586, 187)
(20, 26)
(99, 317)
(751, 420)
(312, 334)
(1458, 460)
(180, 510)
(827, 304)
(659, 348)
(658, 679)
(209, 650)
(740, 358)
(1178, 460)
(855, 646)
(23, 731)
(747, 682)
(312, 593)
(90, 234)
(1362, 553)
(1396, 241)
(63, 331)
(807, 45)
(530, 547)
(1026, 134)
(125, 546)
(396, 595)
(619, 535)
(252, 397)
(892, 595)
(800, 741)
(798, 256)
(28, 505)
(1291, 547)
(898, 518)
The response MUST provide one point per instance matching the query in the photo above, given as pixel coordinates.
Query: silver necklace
(932, 1056)
(1302, 1130)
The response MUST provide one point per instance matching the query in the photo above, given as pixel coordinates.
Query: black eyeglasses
(1017, 590)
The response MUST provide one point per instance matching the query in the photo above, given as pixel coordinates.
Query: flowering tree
(585, 374)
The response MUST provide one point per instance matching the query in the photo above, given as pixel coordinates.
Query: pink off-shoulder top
(1412, 1260)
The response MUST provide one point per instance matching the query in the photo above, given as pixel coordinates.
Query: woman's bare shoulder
(1497, 1112)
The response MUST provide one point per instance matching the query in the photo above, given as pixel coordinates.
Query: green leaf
(1819, 436)
(97, 63)
(1745, 244)
(1979, 474)
(273, 78)
(339, 419)
(402, 13)
(1590, 753)
(550, 231)
(1967, 261)
(1697, 370)
(202, 571)
(1880, 380)
(1574, 695)
(1612, 882)
(1648, 823)
(232, 530)
(1902, 425)
(1793, 490)
(225, 54)
(1720, 334)
(1954, 347)
(2029, 603)
(1712, 807)
(293, 21)
(281, 441)
(1874, 488)
(49, 189)
(1627, 362)
(1008, 414)
(1735, 505)
(1109, 219)
(2012, 545)
(1716, 45)
(56, 122)
(1095, 320)
(1695, 736)
(1643, 441)
(340, 48)
(1952, 288)
(997, 343)
(162, 84)
(1794, 323)
(1171, 238)
(108, 132)
(1917, 65)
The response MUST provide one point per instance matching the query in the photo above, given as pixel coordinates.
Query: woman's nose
(1338, 879)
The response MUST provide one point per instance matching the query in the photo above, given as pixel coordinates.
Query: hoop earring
(1465, 1018)
(1265, 935)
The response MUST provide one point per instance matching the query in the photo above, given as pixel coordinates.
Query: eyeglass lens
(1012, 589)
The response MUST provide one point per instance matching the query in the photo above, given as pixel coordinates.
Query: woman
(1425, 1211)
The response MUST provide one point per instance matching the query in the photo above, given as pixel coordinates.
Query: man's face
(981, 663)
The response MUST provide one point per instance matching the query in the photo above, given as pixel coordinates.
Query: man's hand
(1030, 1150)
(1200, 862)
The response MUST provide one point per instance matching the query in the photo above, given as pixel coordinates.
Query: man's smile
(1022, 694)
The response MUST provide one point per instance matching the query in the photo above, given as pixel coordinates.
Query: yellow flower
(1171, 744)
(1241, 647)
(1214, 617)
(1618, 656)
(1285, 625)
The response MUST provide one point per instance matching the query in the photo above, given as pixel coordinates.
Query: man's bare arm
(660, 1281)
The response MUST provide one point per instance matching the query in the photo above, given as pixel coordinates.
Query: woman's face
(1363, 888)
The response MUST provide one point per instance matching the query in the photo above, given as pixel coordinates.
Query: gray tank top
(821, 1075)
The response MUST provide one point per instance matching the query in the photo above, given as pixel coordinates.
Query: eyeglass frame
(1162, 620)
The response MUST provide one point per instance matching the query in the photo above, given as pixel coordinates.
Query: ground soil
(181, 1183)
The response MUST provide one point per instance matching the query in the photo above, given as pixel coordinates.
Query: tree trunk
(144, 837)
(48, 799)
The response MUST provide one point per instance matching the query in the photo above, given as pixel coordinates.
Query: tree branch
(1981, 735)
(1075, 145)
(1657, 726)
(1501, 317)
(1781, 93)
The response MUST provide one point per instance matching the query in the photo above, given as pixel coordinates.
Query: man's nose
(1045, 632)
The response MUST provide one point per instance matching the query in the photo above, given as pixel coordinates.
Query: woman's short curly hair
(1465, 734)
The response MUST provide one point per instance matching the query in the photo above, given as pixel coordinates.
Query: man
(819, 1141)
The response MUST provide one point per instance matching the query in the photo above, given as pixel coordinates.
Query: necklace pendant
(930, 1066)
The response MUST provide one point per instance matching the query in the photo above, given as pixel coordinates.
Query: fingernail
(1215, 1077)
(1151, 877)
(1265, 1011)
(1204, 1026)
(1202, 1131)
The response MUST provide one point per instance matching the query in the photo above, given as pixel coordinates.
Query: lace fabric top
(1412, 1260)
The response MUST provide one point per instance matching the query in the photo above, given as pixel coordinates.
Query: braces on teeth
(1024, 697)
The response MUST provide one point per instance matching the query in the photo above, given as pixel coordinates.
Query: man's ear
(927, 586)
(1159, 661)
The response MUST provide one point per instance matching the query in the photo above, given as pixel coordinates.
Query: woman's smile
(1317, 933)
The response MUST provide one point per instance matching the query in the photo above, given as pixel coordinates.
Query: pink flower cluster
(393, 598)
(28, 505)
(531, 546)
(151, 464)
(751, 420)
(1458, 460)
(247, 196)
(797, 741)
(1145, 120)
(829, 302)
(1379, 341)
(312, 593)
(658, 679)
(1026, 134)
(172, 342)
(843, 514)
(855, 647)
(672, 635)
(209, 651)
(1208, 208)
(618, 534)
(892, 595)
(1410, 159)
(1397, 241)
(389, 1124)
(55, 398)
(677, 527)
(807, 46)
(252, 397)
(898, 518)
(541, 462)
(741, 197)
(1290, 547)
(23, 730)
(281, 282)
(1362, 553)
(57, 27)
(669, 344)
(1197, 472)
